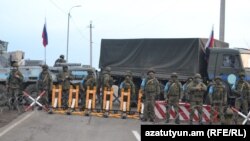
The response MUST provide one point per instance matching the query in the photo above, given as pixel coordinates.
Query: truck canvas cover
(182, 55)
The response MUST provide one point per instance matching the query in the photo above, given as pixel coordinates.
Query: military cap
(174, 74)
(197, 75)
(151, 70)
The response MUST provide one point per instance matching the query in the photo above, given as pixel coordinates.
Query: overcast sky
(22, 23)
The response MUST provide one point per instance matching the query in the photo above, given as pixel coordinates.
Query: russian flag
(45, 35)
(210, 42)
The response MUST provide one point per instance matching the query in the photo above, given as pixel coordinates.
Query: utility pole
(68, 31)
(90, 42)
(222, 20)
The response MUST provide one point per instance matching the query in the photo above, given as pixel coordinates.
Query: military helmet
(197, 75)
(217, 77)
(151, 70)
(90, 72)
(45, 66)
(128, 73)
(174, 74)
(108, 69)
(241, 74)
(62, 56)
(15, 64)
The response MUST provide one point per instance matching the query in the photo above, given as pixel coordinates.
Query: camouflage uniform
(90, 82)
(44, 83)
(196, 89)
(128, 84)
(64, 78)
(106, 81)
(228, 116)
(185, 90)
(218, 99)
(150, 91)
(241, 90)
(60, 60)
(14, 82)
(173, 94)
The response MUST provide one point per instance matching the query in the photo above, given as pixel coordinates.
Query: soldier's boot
(200, 122)
(177, 121)
(200, 119)
(191, 122)
(167, 120)
(211, 121)
(152, 120)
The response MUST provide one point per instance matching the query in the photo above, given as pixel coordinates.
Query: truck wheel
(31, 90)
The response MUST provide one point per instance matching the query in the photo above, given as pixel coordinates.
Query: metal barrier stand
(56, 106)
(73, 101)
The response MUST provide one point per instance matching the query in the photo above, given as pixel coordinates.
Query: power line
(79, 30)
(58, 7)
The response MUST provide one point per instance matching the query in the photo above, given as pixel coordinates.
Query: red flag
(210, 42)
(45, 36)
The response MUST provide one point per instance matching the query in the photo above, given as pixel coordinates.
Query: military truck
(185, 56)
(78, 71)
(29, 68)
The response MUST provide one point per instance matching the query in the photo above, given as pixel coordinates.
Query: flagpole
(45, 54)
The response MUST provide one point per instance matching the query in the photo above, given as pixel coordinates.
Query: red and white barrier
(184, 110)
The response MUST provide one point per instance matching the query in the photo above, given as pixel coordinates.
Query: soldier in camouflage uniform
(60, 60)
(185, 90)
(106, 81)
(241, 89)
(44, 83)
(196, 89)
(64, 78)
(128, 84)
(89, 81)
(14, 84)
(150, 91)
(218, 99)
(173, 94)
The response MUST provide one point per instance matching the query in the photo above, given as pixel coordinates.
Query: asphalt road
(40, 126)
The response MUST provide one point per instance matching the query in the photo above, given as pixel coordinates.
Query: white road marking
(15, 124)
(137, 135)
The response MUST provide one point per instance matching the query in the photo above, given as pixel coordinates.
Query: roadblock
(73, 100)
(56, 105)
(125, 102)
(104, 110)
(107, 101)
(35, 101)
(184, 111)
(90, 104)
(140, 105)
